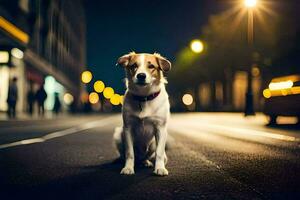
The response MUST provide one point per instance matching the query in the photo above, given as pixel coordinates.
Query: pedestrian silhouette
(12, 98)
(30, 99)
(40, 97)
(57, 104)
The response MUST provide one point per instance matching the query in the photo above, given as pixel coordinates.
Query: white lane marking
(56, 134)
(200, 156)
(195, 134)
(208, 138)
(257, 133)
(242, 131)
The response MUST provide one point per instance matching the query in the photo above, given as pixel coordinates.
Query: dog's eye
(151, 66)
(134, 65)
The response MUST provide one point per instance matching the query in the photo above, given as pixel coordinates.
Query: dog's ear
(124, 60)
(163, 63)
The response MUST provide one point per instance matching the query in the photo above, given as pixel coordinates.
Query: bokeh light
(93, 98)
(108, 92)
(84, 97)
(255, 71)
(267, 93)
(99, 86)
(115, 99)
(4, 56)
(187, 99)
(17, 53)
(68, 98)
(86, 76)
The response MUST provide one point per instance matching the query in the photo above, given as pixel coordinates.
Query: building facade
(42, 42)
(226, 93)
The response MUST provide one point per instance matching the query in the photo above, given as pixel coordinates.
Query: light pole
(197, 47)
(249, 108)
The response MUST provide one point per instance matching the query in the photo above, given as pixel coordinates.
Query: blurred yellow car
(282, 97)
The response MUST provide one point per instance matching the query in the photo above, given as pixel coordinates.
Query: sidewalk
(22, 116)
(48, 116)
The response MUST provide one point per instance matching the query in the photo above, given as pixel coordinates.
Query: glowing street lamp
(250, 3)
(197, 46)
(86, 77)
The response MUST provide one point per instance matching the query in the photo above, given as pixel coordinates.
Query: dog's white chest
(155, 110)
(145, 110)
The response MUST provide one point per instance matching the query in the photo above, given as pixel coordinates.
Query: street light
(250, 5)
(197, 46)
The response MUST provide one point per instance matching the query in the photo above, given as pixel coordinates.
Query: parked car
(282, 97)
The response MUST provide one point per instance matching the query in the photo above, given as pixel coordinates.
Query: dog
(145, 112)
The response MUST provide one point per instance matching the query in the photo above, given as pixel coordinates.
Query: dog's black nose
(141, 76)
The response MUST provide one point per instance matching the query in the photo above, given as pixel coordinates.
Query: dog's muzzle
(141, 79)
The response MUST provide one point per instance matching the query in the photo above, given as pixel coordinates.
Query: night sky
(117, 27)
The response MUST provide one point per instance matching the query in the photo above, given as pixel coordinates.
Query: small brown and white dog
(146, 111)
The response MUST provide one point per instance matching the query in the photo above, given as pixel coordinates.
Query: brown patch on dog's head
(124, 60)
(163, 63)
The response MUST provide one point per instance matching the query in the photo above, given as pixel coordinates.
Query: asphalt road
(211, 156)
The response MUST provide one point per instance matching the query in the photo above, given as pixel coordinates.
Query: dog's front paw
(127, 171)
(161, 172)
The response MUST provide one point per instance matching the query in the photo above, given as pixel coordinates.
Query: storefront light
(68, 98)
(17, 53)
(4, 57)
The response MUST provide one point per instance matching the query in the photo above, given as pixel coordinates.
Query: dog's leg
(129, 153)
(118, 142)
(150, 156)
(161, 138)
